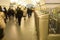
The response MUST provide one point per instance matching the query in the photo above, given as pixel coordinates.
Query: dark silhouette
(19, 14)
(0, 9)
(5, 13)
(10, 13)
(1, 33)
(29, 11)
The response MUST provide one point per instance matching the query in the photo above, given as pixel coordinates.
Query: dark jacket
(19, 13)
(29, 10)
(10, 12)
(0, 9)
(5, 11)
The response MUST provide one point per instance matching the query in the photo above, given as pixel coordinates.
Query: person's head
(5, 8)
(25, 8)
(17, 6)
(10, 8)
(0, 8)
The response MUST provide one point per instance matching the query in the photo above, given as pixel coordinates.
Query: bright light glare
(22, 3)
(34, 2)
(37, 0)
(12, 1)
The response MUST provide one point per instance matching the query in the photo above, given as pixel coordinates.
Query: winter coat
(19, 13)
(10, 12)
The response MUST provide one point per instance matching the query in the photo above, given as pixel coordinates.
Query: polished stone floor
(26, 31)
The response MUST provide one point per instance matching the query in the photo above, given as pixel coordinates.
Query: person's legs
(28, 15)
(5, 20)
(9, 17)
(19, 21)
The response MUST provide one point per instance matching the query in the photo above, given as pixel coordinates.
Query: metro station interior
(30, 20)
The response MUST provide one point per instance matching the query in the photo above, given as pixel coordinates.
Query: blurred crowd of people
(12, 12)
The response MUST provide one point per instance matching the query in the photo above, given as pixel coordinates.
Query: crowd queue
(12, 12)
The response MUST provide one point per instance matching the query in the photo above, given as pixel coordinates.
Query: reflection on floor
(26, 31)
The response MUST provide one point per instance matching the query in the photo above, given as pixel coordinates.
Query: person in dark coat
(5, 13)
(10, 13)
(0, 8)
(29, 11)
(19, 15)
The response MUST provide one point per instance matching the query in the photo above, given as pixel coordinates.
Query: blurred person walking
(19, 15)
(24, 13)
(2, 23)
(29, 11)
(5, 13)
(10, 13)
